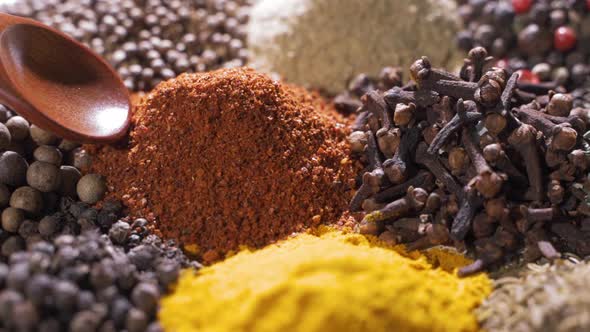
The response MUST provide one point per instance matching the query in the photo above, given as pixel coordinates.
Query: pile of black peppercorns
(149, 41)
(548, 40)
(88, 281)
(64, 264)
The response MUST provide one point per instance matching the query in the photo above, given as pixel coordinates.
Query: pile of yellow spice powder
(330, 282)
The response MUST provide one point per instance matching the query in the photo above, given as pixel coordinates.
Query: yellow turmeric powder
(331, 282)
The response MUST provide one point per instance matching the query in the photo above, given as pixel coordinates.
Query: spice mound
(541, 298)
(323, 43)
(230, 158)
(334, 282)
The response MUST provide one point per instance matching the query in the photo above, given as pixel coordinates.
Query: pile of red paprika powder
(230, 158)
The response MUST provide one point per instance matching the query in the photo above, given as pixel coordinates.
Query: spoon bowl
(61, 85)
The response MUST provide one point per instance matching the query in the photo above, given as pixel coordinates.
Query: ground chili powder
(230, 158)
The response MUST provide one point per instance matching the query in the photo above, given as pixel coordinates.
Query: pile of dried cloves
(480, 161)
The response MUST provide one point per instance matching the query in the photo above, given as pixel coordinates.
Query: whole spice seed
(230, 158)
(487, 154)
(150, 41)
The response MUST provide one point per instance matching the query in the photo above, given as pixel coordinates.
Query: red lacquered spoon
(59, 84)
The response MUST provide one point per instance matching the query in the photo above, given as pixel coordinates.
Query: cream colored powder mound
(324, 43)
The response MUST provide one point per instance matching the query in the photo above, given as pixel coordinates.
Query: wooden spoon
(59, 84)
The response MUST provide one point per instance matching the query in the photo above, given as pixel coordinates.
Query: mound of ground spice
(328, 283)
(230, 158)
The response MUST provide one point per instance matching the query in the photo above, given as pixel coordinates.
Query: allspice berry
(12, 218)
(67, 146)
(91, 188)
(43, 176)
(28, 199)
(70, 176)
(11, 245)
(5, 137)
(13, 169)
(48, 154)
(48, 226)
(18, 127)
(80, 159)
(43, 137)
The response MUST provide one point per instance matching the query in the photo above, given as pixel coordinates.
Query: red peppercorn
(521, 6)
(525, 75)
(564, 38)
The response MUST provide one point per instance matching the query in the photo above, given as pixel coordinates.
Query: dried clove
(396, 168)
(413, 201)
(469, 207)
(560, 136)
(522, 140)
(495, 155)
(423, 180)
(404, 114)
(439, 171)
(458, 160)
(389, 141)
(421, 98)
(480, 161)
(487, 182)
(560, 104)
(472, 69)
(490, 87)
(346, 104)
(555, 192)
(374, 103)
(463, 117)
(371, 180)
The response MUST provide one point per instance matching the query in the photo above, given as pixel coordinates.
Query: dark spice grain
(230, 158)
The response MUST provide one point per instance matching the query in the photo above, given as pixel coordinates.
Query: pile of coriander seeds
(542, 297)
(149, 41)
(481, 161)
